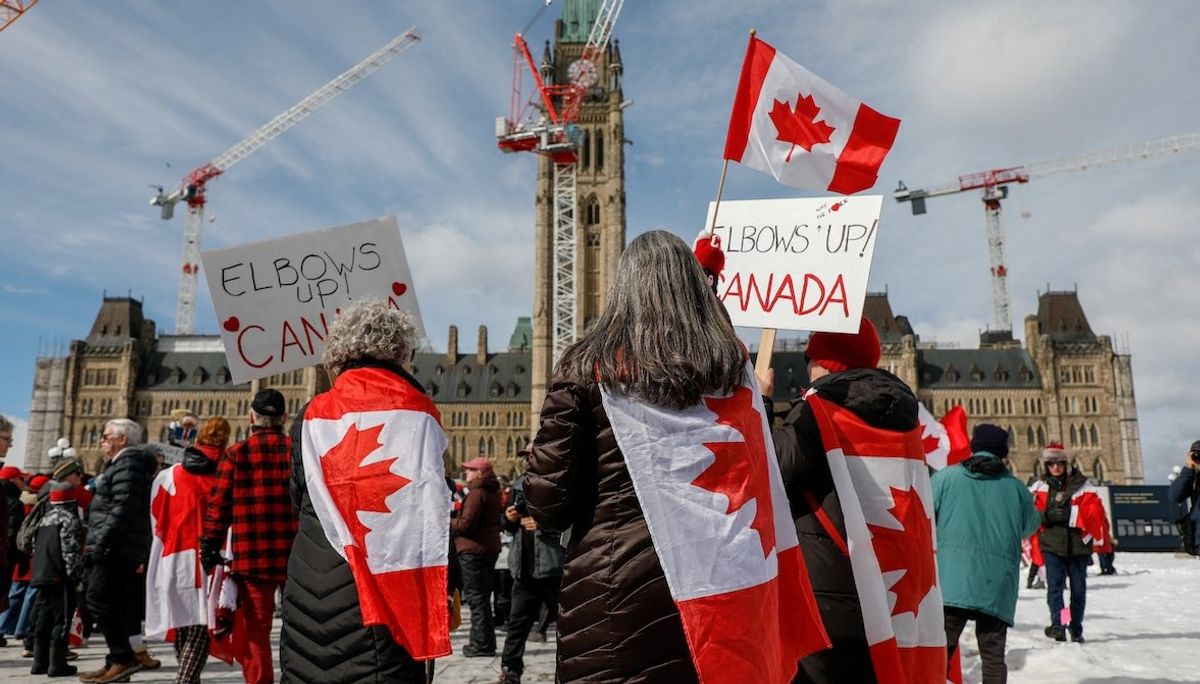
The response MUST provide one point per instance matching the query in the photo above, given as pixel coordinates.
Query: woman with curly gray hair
(328, 636)
(370, 333)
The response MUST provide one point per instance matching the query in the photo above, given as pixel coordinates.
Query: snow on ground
(1141, 625)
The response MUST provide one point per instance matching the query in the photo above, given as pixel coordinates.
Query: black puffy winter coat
(119, 517)
(323, 640)
(616, 619)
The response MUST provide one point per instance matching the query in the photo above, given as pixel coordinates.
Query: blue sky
(99, 98)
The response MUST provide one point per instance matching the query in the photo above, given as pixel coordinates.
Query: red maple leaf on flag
(739, 469)
(799, 126)
(930, 443)
(356, 487)
(909, 549)
(172, 543)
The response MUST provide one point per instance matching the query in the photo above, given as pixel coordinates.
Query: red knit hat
(37, 482)
(10, 473)
(61, 494)
(707, 249)
(837, 352)
(480, 463)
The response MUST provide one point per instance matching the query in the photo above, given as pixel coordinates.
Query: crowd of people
(197, 552)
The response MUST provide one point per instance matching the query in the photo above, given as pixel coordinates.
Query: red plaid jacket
(250, 497)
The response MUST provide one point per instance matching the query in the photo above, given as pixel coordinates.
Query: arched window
(1074, 436)
(1041, 440)
(482, 446)
(1083, 436)
(1095, 435)
(491, 446)
(1098, 471)
(586, 148)
(600, 149)
(508, 449)
(1029, 437)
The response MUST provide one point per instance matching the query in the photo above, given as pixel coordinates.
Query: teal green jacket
(982, 513)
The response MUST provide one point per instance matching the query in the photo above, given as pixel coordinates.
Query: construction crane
(192, 189)
(546, 125)
(994, 188)
(11, 10)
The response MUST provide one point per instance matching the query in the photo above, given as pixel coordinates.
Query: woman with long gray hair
(662, 340)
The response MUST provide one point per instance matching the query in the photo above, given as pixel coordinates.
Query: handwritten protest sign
(276, 299)
(797, 264)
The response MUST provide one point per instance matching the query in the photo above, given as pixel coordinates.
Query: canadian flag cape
(790, 123)
(709, 486)
(176, 595)
(372, 448)
(883, 487)
(1087, 513)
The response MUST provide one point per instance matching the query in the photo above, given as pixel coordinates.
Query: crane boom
(11, 10)
(193, 187)
(601, 31)
(994, 186)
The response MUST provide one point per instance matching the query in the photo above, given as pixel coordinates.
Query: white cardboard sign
(797, 264)
(276, 299)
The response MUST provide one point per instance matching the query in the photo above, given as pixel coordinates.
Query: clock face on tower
(582, 72)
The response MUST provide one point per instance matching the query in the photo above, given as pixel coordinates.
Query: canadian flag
(710, 488)
(1087, 511)
(174, 578)
(790, 123)
(372, 449)
(887, 503)
(945, 441)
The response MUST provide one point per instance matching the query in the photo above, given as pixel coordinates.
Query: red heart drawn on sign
(232, 324)
(399, 288)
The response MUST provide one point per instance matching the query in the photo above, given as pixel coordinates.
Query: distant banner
(276, 299)
(797, 264)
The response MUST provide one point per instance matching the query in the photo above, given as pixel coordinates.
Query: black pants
(848, 661)
(992, 634)
(53, 609)
(113, 598)
(502, 600)
(477, 589)
(528, 595)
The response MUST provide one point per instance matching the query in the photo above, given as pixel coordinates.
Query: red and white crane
(994, 188)
(194, 186)
(546, 125)
(11, 10)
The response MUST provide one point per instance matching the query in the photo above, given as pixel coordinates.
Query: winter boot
(1057, 633)
(41, 657)
(58, 662)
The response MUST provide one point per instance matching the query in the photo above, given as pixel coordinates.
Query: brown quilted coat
(616, 619)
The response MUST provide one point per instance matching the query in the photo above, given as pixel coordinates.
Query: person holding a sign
(366, 593)
(881, 411)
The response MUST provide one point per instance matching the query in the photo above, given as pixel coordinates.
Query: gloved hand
(210, 557)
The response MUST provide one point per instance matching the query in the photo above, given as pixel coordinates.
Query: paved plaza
(455, 669)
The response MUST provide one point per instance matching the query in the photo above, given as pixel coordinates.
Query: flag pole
(766, 339)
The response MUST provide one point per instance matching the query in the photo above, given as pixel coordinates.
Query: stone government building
(1064, 384)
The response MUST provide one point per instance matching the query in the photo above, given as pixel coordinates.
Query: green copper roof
(577, 18)
(522, 337)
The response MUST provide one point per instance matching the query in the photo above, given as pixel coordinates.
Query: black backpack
(29, 527)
